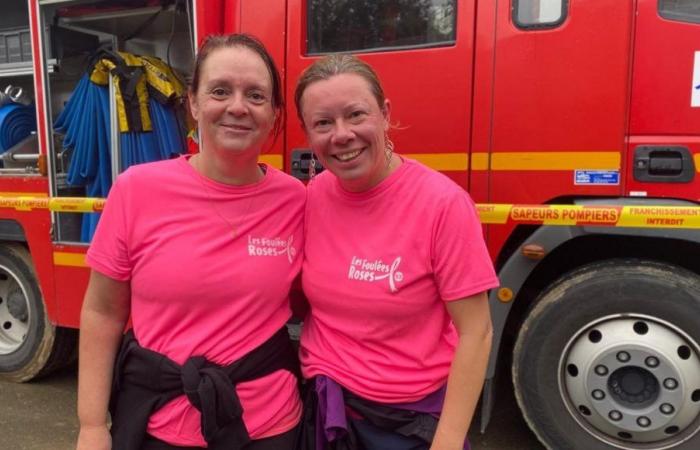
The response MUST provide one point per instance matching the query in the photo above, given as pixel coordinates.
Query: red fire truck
(575, 124)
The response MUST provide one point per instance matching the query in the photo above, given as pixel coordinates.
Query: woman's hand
(94, 438)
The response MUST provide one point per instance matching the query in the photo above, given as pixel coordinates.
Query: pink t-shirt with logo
(210, 267)
(378, 267)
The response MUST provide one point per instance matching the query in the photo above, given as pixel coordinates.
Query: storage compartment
(81, 35)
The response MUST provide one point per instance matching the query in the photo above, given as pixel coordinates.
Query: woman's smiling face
(346, 128)
(233, 103)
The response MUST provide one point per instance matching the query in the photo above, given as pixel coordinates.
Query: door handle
(663, 164)
(301, 161)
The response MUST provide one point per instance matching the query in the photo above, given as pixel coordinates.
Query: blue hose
(170, 136)
(85, 123)
(16, 123)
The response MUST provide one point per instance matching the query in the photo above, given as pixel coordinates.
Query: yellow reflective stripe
(480, 161)
(69, 259)
(442, 161)
(275, 161)
(555, 160)
(697, 161)
(509, 161)
(23, 194)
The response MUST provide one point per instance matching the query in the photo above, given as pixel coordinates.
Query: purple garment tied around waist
(331, 421)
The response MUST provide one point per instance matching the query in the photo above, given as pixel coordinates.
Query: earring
(388, 148)
(194, 135)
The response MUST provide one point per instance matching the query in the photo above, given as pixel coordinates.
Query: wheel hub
(633, 386)
(14, 313)
(628, 380)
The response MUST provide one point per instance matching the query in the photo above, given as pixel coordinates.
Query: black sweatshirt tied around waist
(145, 381)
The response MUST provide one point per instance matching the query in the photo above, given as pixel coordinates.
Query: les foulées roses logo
(376, 270)
(262, 246)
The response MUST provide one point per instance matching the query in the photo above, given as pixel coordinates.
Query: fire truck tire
(30, 345)
(609, 358)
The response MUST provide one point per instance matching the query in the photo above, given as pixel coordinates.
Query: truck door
(554, 124)
(422, 52)
(664, 142)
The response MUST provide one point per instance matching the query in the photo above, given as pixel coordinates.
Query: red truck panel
(534, 133)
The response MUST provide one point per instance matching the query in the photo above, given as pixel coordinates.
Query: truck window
(539, 14)
(683, 10)
(379, 25)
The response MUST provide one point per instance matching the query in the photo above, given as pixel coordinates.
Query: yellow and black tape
(635, 216)
(57, 204)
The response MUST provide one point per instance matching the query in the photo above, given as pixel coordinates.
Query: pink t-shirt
(210, 267)
(378, 266)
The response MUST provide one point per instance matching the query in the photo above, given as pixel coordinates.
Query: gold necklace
(232, 226)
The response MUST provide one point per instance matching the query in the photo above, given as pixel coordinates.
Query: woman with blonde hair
(398, 334)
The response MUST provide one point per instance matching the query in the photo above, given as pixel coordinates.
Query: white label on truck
(695, 96)
(582, 177)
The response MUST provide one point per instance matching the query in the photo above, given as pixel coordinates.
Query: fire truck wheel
(609, 358)
(30, 345)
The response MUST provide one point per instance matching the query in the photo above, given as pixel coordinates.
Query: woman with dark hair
(200, 252)
(398, 334)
